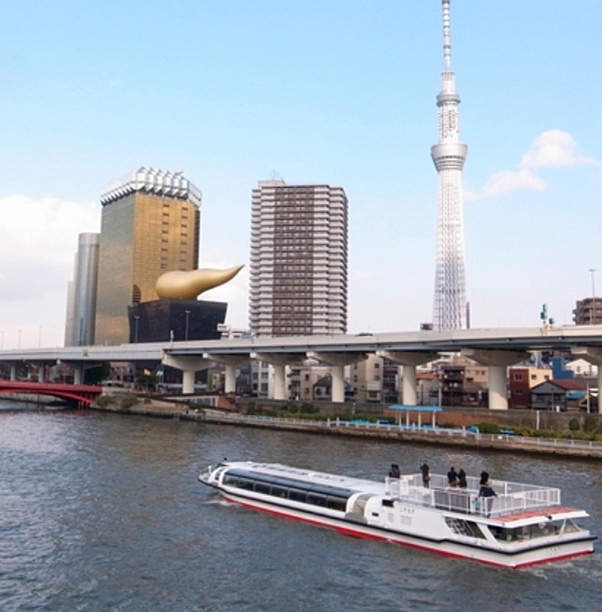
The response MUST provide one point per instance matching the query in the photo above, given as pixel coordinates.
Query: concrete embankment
(394, 433)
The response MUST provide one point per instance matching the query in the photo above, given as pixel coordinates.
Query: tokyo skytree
(449, 311)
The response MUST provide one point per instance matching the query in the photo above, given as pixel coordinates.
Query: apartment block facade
(298, 272)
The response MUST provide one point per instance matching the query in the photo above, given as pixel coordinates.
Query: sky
(341, 92)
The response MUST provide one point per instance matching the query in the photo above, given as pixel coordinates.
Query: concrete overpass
(496, 348)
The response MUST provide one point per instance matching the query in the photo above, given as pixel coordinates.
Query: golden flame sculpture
(188, 285)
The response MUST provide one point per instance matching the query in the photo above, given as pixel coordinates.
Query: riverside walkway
(378, 431)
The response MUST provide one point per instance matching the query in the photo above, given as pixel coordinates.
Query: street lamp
(187, 312)
(592, 315)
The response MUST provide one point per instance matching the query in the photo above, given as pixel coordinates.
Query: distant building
(588, 311)
(464, 384)
(560, 395)
(298, 272)
(520, 382)
(375, 379)
(303, 378)
(150, 224)
(81, 294)
(582, 368)
(176, 320)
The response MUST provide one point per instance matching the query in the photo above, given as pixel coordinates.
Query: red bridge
(82, 395)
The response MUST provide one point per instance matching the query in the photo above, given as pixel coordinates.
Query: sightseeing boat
(522, 525)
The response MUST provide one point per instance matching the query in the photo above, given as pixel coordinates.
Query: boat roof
(356, 485)
(542, 515)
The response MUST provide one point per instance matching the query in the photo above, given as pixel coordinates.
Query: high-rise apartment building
(449, 155)
(150, 224)
(81, 306)
(298, 272)
(588, 311)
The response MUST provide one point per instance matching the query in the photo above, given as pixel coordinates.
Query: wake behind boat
(522, 525)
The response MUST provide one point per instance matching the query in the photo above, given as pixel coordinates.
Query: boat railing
(510, 498)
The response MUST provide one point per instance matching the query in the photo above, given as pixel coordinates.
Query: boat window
(245, 483)
(527, 532)
(333, 498)
(466, 528)
(336, 503)
(262, 487)
(316, 499)
(388, 503)
(296, 495)
(569, 527)
(230, 480)
(288, 483)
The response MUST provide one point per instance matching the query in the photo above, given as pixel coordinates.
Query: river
(104, 512)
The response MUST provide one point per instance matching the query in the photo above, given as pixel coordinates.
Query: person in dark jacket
(424, 468)
(452, 477)
(394, 471)
(487, 493)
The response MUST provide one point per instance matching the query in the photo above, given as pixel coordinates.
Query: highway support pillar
(78, 373)
(230, 363)
(593, 354)
(337, 363)
(408, 361)
(497, 362)
(188, 365)
(279, 361)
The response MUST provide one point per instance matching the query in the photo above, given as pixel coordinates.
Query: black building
(175, 320)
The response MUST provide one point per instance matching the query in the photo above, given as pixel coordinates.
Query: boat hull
(515, 560)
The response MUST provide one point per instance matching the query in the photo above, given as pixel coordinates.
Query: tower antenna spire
(449, 155)
(446, 37)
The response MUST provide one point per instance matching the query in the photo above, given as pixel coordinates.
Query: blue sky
(320, 91)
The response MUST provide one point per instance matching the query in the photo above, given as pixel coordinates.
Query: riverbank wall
(458, 437)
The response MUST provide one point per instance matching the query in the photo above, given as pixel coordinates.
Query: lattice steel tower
(448, 155)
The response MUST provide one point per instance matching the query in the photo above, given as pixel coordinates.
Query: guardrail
(426, 433)
(429, 430)
(510, 497)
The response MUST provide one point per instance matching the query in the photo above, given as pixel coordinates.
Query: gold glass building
(150, 224)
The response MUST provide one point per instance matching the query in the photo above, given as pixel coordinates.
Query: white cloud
(555, 148)
(507, 181)
(552, 148)
(38, 240)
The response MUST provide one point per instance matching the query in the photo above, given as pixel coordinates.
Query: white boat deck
(511, 497)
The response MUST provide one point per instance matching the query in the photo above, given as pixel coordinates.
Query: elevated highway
(497, 348)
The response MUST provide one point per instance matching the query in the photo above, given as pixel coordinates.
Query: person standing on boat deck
(452, 477)
(462, 479)
(487, 493)
(424, 468)
(394, 471)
